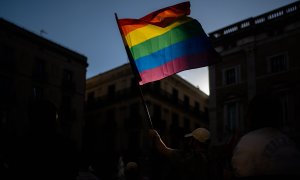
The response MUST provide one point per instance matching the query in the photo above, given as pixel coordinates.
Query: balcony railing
(251, 22)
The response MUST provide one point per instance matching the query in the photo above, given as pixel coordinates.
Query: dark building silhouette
(34, 68)
(259, 55)
(117, 122)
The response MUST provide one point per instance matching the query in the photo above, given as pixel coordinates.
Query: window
(186, 124)
(231, 75)
(39, 70)
(5, 90)
(133, 84)
(286, 111)
(67, 75)
(111, 117)
(7, 56)
(156, 111)
(40, 67)
(197, 106)
(134, 109)
(111, 90)
(66, 102)
(67, 80)
(67, 115)
(3, 118)
(91, 96)
(175, 95)
(186, 101)
(37, 92)
(175, 120)
(134, 120)
(231, 115)
(278, 63)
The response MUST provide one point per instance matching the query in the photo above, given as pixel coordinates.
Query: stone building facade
(116, 113)
(259, 55)
(33, 67)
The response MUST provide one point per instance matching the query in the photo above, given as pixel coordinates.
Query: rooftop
(256, 21)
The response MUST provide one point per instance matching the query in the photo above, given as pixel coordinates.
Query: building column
(212, 105)
(251, 74)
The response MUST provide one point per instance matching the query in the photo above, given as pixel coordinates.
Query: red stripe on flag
(165, 16)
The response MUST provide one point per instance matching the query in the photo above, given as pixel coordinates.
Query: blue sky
(89, 28)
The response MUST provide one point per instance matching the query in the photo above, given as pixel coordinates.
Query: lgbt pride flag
(166, 42)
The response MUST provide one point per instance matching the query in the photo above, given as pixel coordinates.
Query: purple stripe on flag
(177, 65)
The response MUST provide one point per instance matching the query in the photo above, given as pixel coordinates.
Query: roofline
(257, 20)
(176, 76)
(26, 33)
(108, 71)
(190, 84)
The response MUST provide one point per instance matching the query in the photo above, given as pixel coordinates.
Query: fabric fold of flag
(166, 42)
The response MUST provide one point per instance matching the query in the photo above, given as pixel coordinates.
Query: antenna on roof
(42, 32)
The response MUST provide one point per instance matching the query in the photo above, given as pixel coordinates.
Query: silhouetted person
(265, 152)
(192, 162)
(45, 153)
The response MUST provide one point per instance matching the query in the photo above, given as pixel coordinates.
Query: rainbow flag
(166, 42)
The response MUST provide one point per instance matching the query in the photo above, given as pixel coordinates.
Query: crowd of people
(263, 151)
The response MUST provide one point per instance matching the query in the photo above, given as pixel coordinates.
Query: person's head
(199, 138)
(132, 171)
(264, 110)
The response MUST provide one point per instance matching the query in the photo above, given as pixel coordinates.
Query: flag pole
(137, 77)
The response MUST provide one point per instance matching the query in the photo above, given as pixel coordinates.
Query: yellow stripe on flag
(150, 31)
